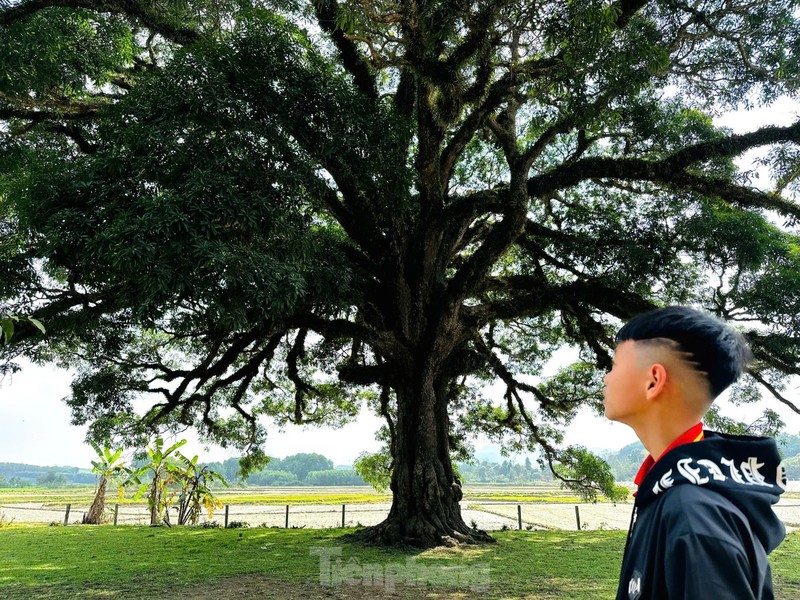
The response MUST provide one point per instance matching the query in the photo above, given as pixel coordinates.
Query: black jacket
(703, 522)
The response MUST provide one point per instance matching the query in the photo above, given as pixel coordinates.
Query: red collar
(695, 434)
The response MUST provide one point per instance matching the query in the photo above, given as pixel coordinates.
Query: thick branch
(136, 9)
(301, 387)
(772, 390)
(352, 60)
(671, 171)
(481, 261)
(364, 374)
(776, 350)
(497, 94)
(626, 9)
(74, 133)
(526, 296)
(49, 110)
(335, 328)
(386, 414)
(481, 28)
(203, 373)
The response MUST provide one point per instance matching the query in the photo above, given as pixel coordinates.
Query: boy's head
(676, 349)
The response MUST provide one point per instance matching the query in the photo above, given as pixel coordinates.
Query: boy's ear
(657, 381)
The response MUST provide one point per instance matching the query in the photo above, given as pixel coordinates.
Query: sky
(35, 429)
(35, 424)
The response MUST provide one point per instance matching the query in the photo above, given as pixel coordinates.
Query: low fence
(487, 515)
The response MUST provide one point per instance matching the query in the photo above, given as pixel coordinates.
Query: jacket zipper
(631, 525)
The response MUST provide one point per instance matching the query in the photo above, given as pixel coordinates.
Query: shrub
(277, 478)
(334, 477)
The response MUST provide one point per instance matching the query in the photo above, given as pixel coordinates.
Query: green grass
(142, 562)
(303, 498)
(62, 496)
(551, 498)
(44, 495)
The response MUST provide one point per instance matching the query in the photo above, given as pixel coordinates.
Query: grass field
(143, 563)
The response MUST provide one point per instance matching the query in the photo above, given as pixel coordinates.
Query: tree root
(422, 535)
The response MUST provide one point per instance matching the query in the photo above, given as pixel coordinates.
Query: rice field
(489, 507)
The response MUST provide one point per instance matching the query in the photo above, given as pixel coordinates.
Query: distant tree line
(297, 469)
(625, 462)
(507, 471)
(17, 475)
(310, 469)
(303, 469)
(789, 446)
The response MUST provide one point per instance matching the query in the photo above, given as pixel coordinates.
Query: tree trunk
(426, 493)
(98, 507)
(155, 499)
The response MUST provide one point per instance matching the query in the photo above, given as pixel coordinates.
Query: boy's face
(625, 385)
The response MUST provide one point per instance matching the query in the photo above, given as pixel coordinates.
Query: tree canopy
(231, 209)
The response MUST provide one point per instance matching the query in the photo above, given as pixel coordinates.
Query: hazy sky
(35, 429)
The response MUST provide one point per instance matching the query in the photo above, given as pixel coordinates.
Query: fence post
(287, 516)
(227, 506)
(519, 516)
(66, 516)
(116, 514)
(342, 516)
(578, 517)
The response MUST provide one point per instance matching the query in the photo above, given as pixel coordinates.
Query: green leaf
(174, 447)
(7, 326)
(37, 323)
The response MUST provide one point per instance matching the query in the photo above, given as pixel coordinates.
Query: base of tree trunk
(98, 508)
(419, 532)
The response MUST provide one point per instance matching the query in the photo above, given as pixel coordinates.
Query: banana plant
(163, 473)
(108, 467)
(196, 492)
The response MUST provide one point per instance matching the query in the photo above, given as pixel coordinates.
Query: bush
(277, 478)
(52, 480)
(334, 477)
(791, 467)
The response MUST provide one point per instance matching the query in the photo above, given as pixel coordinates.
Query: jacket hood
(744, 469)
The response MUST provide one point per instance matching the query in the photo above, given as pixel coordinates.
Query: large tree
(240, 208)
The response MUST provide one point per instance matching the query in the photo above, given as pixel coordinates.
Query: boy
(702, 522)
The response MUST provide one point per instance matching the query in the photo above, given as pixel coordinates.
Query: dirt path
(490, 516)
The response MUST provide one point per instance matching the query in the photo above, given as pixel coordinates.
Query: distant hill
(489, 466)
(20, 475)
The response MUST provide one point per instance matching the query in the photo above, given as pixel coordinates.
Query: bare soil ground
(486, 514)
(257, 586)
(490, 516)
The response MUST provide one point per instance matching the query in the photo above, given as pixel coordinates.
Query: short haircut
(715, 348)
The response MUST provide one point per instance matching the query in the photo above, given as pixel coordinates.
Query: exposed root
(422, 535)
